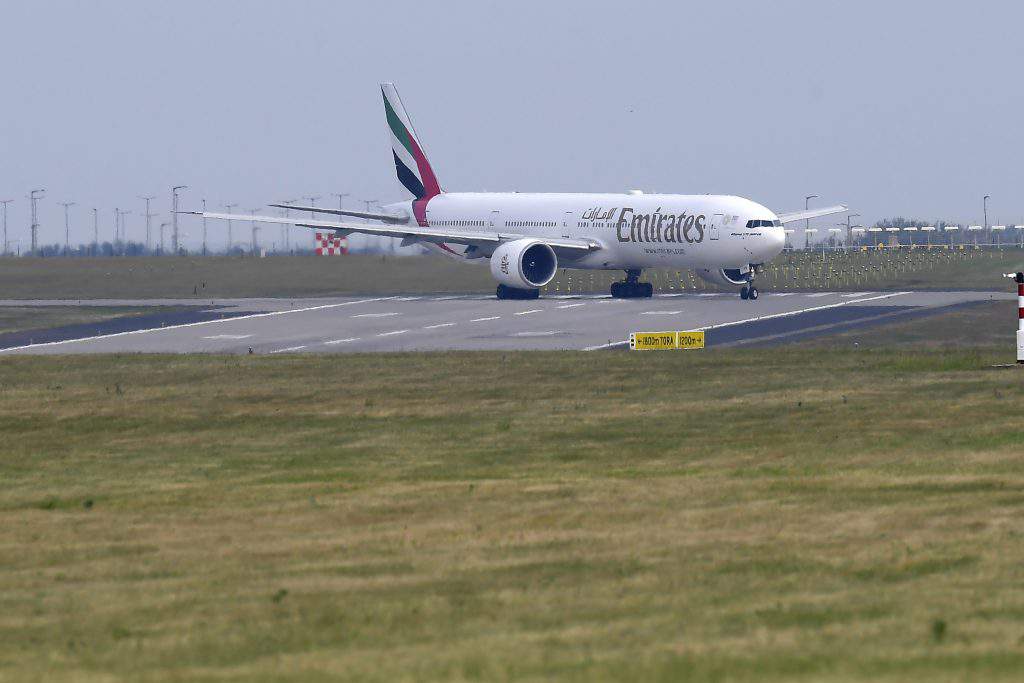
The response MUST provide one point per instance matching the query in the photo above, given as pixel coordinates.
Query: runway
(470, 322)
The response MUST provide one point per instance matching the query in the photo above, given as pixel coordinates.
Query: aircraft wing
(386, 217)
(812, 213)
(414, 232)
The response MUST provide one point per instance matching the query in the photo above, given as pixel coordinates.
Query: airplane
(526, 237)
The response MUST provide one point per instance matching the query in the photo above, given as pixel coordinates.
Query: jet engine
(726, 276)
(524, 264)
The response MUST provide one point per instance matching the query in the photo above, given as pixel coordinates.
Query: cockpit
(759, 223)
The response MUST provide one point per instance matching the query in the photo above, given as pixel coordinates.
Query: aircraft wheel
(646, 290)
(616, 290)
(752, 294)
(745, 293)
(502, 292)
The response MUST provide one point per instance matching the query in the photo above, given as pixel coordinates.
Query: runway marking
(434, 327)
(661, 313)
(570, 305)
(408, 298)
(532, 310)
(547, 333)
(228, 336)
(853, 294)
(612, 345)
(818, 294)
(782, 294)
(251, 316)
(376, 315)
(290, 348)
(341, 341)
(391, 334)
(481, 320)
(447, 298)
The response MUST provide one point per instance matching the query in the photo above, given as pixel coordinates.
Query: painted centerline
(482, 320)
(570, 306)
(438, 325)
(390, 334)
(341, 341)
(532, 310)
(377, 315)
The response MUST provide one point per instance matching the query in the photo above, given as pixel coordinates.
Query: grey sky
(899, 108)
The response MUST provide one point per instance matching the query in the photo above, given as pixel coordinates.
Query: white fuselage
(635, 230)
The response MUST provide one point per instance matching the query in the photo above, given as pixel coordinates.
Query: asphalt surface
(473, 322)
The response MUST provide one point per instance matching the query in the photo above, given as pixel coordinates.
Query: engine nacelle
(524, 264)
(728, 277)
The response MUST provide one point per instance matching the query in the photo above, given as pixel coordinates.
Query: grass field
(794, 514)
(287, 276)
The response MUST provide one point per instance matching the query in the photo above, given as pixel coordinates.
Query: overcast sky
(898, 108)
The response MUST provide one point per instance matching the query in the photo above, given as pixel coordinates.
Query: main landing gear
(749, 292)
(632, 288)
(515, 293)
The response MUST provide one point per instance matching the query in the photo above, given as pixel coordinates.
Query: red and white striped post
(1019, 279)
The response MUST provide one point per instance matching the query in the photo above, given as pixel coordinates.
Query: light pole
(67, 226)
(231, 239)
(204, 227)
(807, 221)
(7, 243)
(312, 214)
(287, 228)
(162, 226)
(34, 197)
(123, 229)
(849, 233)
(148, 223)
(984, 210)
(174, 216)
(255, 233)
(341, 198)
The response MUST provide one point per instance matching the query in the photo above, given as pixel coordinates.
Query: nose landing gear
(749, 291)
(632, 288)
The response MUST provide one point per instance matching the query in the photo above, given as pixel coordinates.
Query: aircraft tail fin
(414, 171)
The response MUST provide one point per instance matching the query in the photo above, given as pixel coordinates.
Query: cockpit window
(763, 224)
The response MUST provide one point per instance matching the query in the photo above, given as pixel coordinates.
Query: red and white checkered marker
(327, 244)
(1019, 279)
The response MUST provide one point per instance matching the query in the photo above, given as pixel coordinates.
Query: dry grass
(736, 515)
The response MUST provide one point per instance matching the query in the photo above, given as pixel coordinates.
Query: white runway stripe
(376, 315)
(532, 310)
(229, 336)
(439, 325)
(819, 294)
(570, 305)
(482, 320)
(391, 334)
(661, 313)
(755, 319)
(290, 348)
(341, 341)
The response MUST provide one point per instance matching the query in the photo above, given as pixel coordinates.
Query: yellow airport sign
(691, 340)
(663, 341)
